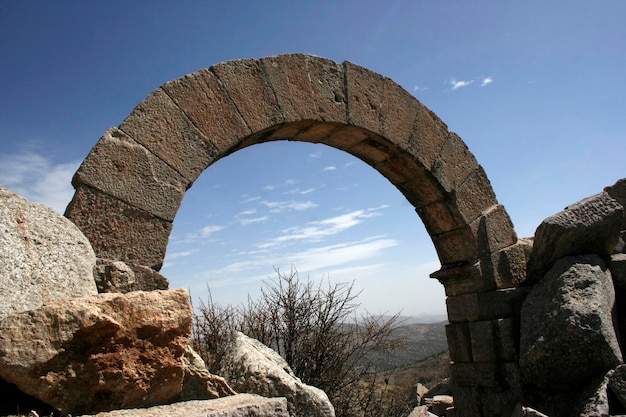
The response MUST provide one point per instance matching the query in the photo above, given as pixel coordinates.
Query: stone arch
(132, 183)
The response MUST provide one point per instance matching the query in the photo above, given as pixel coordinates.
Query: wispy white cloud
(290, 181)
(317, 230)
(456, 84)
(268, 188)
(315, 155)
(203, 233)
(419, 88)
(310, 260)
(247, 212)
(182, 254)
(37, 178)
(486, 81)
(299, 191)
(282, 206)
(248, 199)
(329, 168)
(246, 221)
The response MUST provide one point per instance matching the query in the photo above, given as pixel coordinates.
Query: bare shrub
(316, 329)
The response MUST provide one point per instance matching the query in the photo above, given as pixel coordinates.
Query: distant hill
(421, 341)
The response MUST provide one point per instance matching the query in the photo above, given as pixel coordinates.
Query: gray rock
(198, 382)
(590, 226)
(521, 411)
(113, 276)
(567, 332)
(249, 366)
(617, 265)
(594, 400)
(240, 405)
(617, 383)
(618, 192)
(43, 256)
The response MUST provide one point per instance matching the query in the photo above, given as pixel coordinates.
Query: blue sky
(536, 89)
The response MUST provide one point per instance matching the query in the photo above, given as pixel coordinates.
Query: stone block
(506, 268)
(617, 191)
(483, 341)
(346, 137)
(440, 217)
(507, 339)
(494, 230)
(364, 91)
(491, 305)
(117, 230)
(161, 127)
(454, 164)
(245, 83)
(210, 108)
(459, 343)
(124, 169)
(476, 375)
(319, 132)
(307, 87)
(422, 189)
(374, 150)
(456, 246)
(461, 280)
(475, 197)
(398, 113)
(400, 168)
(429, 136)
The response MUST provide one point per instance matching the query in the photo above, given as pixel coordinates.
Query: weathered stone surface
(454, 163)
(249, 366)
(618, 192)
(506, 268)
(591, 225)
(421, 411)
(245, 79)
(617, 265)
(209, 107)
(162, 128)
(521, 411)
(198, 382)
(43, 256)
(119, 231)
(113, 276)
(567, 332)
(101, 352)
(240, 405)
(147, 279)
(307, 87)
(441, 403)
(594, 399)
(122, 168)
(617, 383)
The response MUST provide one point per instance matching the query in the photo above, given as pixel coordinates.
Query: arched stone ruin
(130, 186)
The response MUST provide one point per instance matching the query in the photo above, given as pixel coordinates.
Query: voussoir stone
(250, 366)
(567, 332)
(99, 353)
(43, 256)
(591, 225)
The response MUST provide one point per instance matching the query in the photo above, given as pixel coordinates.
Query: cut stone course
(124, 169)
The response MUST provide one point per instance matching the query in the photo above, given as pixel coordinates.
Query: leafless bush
(315, 328)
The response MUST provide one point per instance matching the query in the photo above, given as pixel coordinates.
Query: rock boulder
(591, 225)
(250, 366)
(43, 256)
(99, 353)
(567, 333)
